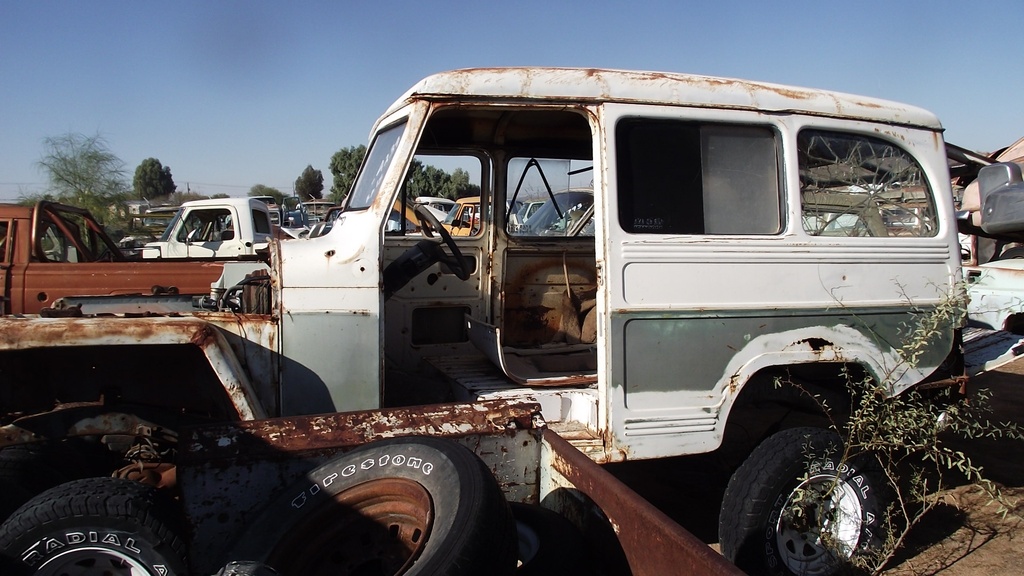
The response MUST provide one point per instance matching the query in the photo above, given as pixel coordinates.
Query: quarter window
(261, 222)
(5, 227)
(855, 185)
(678, 177)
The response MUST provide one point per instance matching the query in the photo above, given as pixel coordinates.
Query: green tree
(152, 180)
(83, 172)
(344, 166)
(310, 184)
(433, 181)
(262, 190)
(179, 198)
(460, 186)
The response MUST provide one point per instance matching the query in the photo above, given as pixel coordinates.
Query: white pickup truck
(702, 241)
(224, 228)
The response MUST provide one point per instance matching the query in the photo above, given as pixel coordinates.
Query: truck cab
(463, 219)
(216, 228)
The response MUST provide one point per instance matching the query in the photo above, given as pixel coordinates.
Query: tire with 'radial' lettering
(798, 506)
(104, 526)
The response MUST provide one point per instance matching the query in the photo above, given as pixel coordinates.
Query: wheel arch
(789, 389)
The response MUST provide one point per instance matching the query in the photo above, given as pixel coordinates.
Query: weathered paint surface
(996, 291)
(29, 333)
(638, 87)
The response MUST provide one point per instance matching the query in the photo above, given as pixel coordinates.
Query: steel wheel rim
(377, 527)
(93, 561)
(836, 518)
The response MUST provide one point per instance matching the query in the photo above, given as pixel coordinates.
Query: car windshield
(166, 236)
(378, 161)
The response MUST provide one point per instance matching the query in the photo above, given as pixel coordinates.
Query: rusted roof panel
(601, 85)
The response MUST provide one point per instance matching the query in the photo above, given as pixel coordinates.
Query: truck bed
(227, 471)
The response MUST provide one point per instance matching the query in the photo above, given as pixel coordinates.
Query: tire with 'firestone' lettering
(404, 506)
(94, 526)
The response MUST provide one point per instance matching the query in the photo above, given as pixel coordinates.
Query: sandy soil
(963, 536)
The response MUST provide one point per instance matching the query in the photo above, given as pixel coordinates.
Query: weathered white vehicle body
(684, 320)
(215, 228)
(996, 290)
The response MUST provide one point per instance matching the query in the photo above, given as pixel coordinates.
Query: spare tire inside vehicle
(548, 543)
(404, 506)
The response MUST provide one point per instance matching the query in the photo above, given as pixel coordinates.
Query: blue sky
(232, 94)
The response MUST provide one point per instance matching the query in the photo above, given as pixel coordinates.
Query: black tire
(12, 496)
(548, 543)
(369, 511)
(1011, 253)
(26, 470)
(758, 529)
(95, 526)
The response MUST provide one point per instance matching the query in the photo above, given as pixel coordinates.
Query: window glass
(55, 245)
(378, 160)
(441, 184)
(677, 177)
(166, 236)
(5, 227)
(550, 197)
(207, 226)
(856, 185)
(261, 222)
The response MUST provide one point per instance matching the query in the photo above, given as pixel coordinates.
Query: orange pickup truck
(51, 251)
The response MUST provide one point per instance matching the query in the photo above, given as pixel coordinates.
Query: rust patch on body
(280, 437)
(816, 344)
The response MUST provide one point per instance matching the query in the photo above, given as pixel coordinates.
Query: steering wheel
(429, 224)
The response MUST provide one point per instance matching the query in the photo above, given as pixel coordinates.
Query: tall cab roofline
(661, 88)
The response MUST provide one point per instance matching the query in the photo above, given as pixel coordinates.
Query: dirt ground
(963, 536)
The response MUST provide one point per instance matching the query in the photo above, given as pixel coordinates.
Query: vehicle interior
(70, 234)
(509, 298)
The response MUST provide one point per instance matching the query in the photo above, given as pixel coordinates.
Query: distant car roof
(159, 210)
(433, 200)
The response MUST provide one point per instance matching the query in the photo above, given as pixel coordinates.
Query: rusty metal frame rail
(640, 527)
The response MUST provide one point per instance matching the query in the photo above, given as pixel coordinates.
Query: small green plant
(903, 439)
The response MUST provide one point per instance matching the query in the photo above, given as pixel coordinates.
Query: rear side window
(5, 228)
(678, 177)
(857, 185)
(261, 221)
